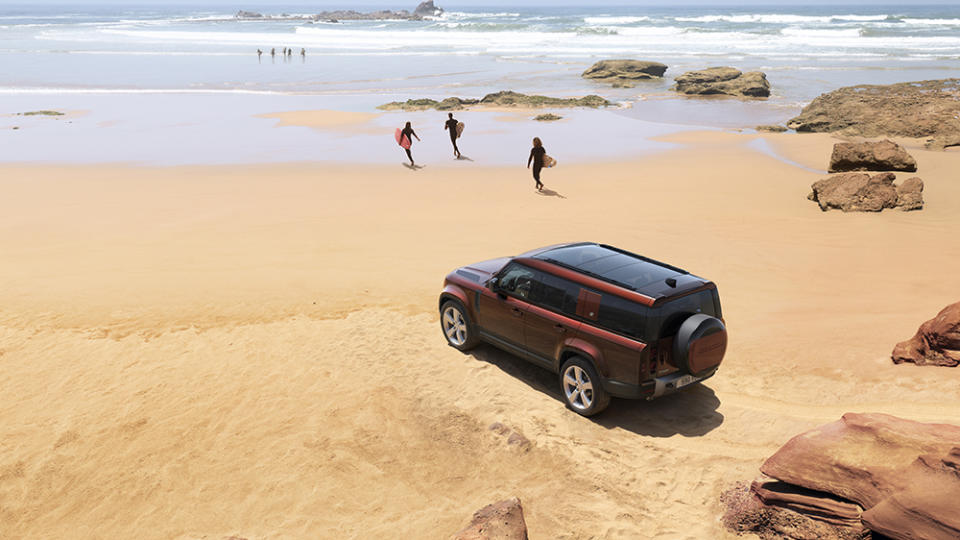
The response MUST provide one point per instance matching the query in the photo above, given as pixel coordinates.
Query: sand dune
(201, 352)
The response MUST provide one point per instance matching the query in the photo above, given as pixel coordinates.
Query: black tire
(457, 327)
(581, 400)
(693, 328)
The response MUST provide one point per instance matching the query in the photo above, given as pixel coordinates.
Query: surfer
(451, 126)
(303, 52)
(409, 134)
(273, 52)
(536, 156)
(259, 54)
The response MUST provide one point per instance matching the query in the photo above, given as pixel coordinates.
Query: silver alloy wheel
(578, 388)
(454, 326)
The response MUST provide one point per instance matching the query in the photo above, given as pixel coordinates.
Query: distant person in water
(451, 126)
(259, 54)
(303, 53)
(536, 156)
(410, 135)
(273, 52)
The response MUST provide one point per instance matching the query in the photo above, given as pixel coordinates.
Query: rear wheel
(582, 390)
(457, 327)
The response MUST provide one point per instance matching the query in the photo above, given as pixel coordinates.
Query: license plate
(685, 380)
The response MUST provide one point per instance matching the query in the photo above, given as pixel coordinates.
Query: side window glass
(622, 316)
(555, 293)
(517, 280)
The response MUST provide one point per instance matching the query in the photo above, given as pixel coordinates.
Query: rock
(928, 507)
(936, 343)
(42, 113)
(548, 117)
(500, 99)
(509, 98)
(518, 439)
(248, 15)
(910, 194)
(499, 428)
(855, 192)
(427, 9)
(624, 73)
(772, 129)
(914, 109)
(814, 505)
(871, 156)
(498, 521)
(863, 458)
(723, 80)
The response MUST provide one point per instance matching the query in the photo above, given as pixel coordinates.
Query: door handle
(517, 312)
(560, 328)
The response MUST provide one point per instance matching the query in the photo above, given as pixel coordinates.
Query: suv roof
(622, 268)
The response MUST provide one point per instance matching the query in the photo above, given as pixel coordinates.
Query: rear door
(548, 322)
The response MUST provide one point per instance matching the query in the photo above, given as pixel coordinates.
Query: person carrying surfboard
(406, 141)
(537, 154)
(455, 129)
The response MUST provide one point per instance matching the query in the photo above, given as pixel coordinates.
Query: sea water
(194, 64)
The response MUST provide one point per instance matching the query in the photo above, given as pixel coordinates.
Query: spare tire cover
(700, 344)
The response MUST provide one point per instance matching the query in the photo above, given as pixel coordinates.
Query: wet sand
(206, 351)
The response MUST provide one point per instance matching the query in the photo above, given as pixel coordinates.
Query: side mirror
(493, 283)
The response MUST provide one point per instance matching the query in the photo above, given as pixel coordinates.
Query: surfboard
(402, 139)
(548, 161)
(459, 129)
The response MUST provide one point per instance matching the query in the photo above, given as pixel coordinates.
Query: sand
(199, 352)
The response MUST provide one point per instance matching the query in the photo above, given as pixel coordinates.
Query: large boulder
(723, 81)
(624, 73)
(910, 194)
(936, 343)
(498, 521)
(427, 9)
(922, 109)
(905, 475)
(855, 192)
(871, 156)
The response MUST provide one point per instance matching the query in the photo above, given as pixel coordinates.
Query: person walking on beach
(536, 156)
(303, 52)
(259, 54)
(273, 52)
(409, 134)
(451, 126)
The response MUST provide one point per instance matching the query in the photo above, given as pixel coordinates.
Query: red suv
(609, 322)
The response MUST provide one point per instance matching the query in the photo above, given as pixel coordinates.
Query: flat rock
(772, 128)
(936, 343)
(863, 458)
(498, 521)
(506, 98)
(818, 506)
(924, 109)
(723, 81)
(624, 73)
(746, 512)
(883, 155)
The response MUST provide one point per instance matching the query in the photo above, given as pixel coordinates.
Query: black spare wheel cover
(700, 344)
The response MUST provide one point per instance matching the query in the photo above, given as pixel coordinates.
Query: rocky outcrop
(248, 15)
(723, 81)
(427, 9)
(861, 192)
(624, 73)
(498, 521)
(547, 117)
(871, 156)
(772, 129)
(936, 343)
(747, 511)
(499, 99)
(925, 109)
(873, 472)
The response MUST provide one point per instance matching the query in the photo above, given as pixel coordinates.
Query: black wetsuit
(451, 125)
(409, 134)
(536, 154)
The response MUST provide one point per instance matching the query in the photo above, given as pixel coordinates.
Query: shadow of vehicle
(691, 412)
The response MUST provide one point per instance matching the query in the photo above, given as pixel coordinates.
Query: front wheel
(457, 327)
(582, 390)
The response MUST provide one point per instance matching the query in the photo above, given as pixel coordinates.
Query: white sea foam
(614, 20)
(774, 18)
(820, 33)
(933, 22)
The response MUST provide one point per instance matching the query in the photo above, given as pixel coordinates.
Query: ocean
(71, 55)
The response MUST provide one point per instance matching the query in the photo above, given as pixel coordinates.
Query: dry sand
(201, 352)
